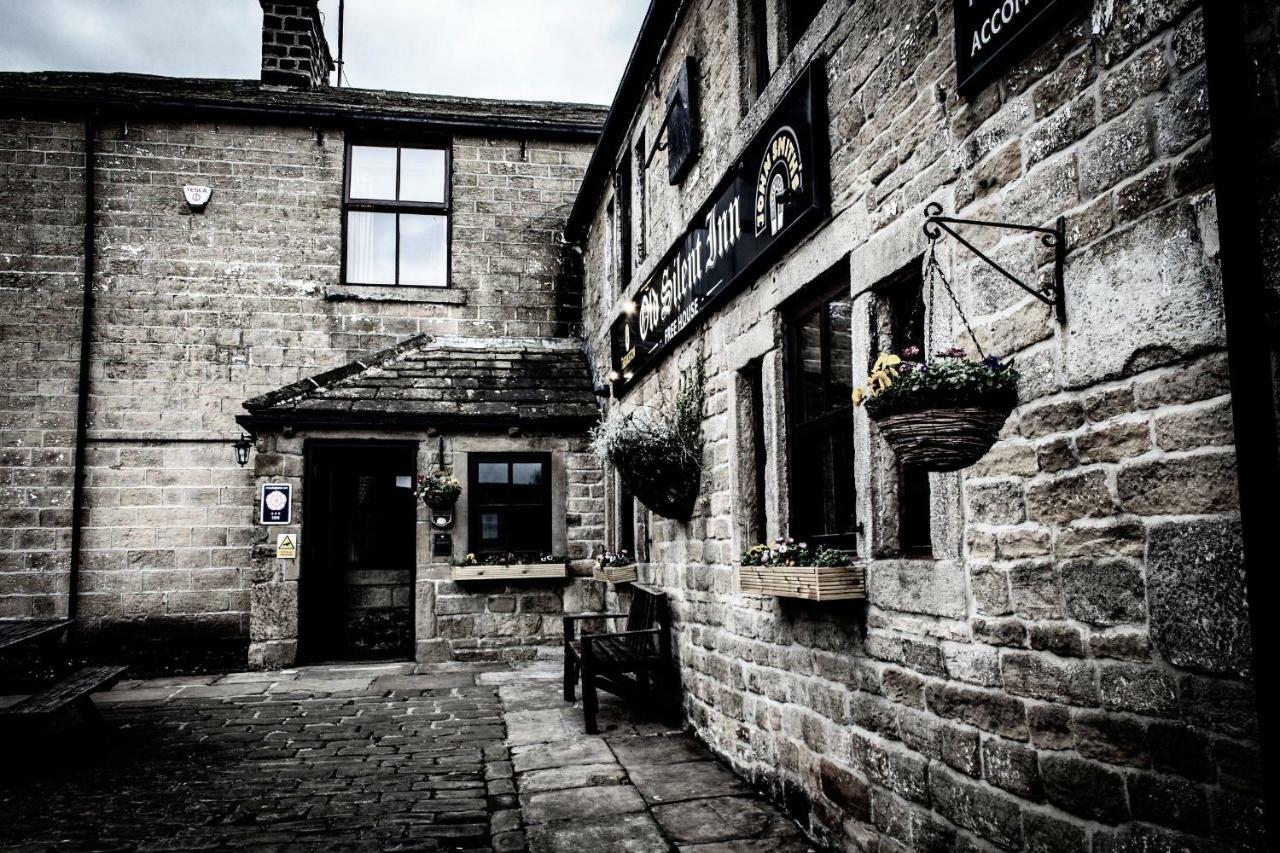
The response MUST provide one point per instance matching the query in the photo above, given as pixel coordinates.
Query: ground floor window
(819, 379)
(509, 503)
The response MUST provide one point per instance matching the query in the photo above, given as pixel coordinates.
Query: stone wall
(41, 282)
(1072, 669)
(453, 620)
(198, 312)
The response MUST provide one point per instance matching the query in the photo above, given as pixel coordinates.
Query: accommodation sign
(992, 35)
(773, 195)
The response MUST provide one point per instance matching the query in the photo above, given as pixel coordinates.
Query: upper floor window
(800, 14)
(819, 377)
(396, 207)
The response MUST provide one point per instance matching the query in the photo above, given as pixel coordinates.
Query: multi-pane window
(509, 505)
(397, 215)
(819, 365)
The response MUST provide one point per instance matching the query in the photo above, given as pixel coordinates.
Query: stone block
(1198, 568)
(1011, 766)
(1084, 788)
(1202, 379)
(1042, 676)
(1122, 539)
(976, 664)
(1187, 429)
(1062, 415)
(992, 815)
(1059, 638)
(995, 502)
(987, 710)
(1197, 484)
(273, 612)
(1167, 801)
(1159, 271)
(1112, 738)
(1113, 442)
(1181, 749)
(931, 587)
(1104, 592)
(1050, 726)
(1138, 689)
(1070, 497)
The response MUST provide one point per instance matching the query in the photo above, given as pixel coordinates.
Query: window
(819, 377)
(902, 306)
(509, 504)
(622, 191)
(800, 14)
(641, 199)
(755, 49)
(397, 216)
(753, 456)
(610, 234)
(626, 520)
(681, 124)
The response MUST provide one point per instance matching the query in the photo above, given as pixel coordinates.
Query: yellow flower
(885, 362)
(859, 395)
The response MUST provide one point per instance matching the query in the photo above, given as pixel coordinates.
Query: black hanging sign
(991, 35)
(771, 197)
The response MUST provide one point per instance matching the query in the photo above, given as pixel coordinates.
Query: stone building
(284, 245)
(1054, 651)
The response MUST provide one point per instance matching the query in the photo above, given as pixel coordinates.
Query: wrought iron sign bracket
(1055, 238)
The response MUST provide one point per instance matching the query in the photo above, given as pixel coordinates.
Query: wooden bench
(75, 689)
(623, 663)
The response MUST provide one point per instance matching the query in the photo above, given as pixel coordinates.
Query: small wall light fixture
(241, 446)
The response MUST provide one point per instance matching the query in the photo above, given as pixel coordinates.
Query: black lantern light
(241, 446)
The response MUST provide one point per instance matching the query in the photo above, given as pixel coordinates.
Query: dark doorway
(358, 540)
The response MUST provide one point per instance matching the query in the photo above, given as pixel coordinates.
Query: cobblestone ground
(383, 757)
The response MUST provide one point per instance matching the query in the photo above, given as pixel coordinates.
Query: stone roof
(126, 95)
(426, 381)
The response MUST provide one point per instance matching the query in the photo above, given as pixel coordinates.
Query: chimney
(294, 50)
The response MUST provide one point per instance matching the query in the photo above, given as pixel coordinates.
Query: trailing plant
(438, 490)
(659, 457)
(908, 383)
(785, 551)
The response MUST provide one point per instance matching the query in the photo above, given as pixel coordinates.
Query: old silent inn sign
(773, 195)
(991, 35)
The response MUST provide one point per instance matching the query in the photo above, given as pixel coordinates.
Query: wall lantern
(241, 447)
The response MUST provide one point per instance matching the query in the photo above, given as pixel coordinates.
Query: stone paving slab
(400, 757)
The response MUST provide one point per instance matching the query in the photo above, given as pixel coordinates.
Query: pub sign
(772, 196)
(992, 35)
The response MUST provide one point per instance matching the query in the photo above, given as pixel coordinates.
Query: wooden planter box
(815, 583)
(515, 571)
(615, 574)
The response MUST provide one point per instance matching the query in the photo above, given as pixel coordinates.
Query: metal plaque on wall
(992, 35)
(774, 194)
(277, 503)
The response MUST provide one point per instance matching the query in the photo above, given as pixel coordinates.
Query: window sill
(394, 293)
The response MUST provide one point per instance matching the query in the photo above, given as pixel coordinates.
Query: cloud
(572, 50)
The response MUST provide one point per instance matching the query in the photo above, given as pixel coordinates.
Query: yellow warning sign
(286, 546)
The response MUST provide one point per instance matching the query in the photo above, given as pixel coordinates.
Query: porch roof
(428, 382)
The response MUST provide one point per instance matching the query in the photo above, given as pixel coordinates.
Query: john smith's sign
(991, 35)
(774, 194)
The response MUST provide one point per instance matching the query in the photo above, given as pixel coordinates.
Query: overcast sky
(568, 50)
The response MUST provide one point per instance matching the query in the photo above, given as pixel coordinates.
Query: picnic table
(73, 690)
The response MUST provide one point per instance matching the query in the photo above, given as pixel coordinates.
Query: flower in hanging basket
(438, 490)
(613, 559)
(939, 415)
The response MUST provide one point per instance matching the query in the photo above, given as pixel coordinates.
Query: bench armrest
(587, 637)
(571, 619)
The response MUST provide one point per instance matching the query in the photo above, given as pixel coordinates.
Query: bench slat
(62, 693)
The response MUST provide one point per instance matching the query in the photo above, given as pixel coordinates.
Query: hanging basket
(942, 435)
(670, 488)
(439, 490)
